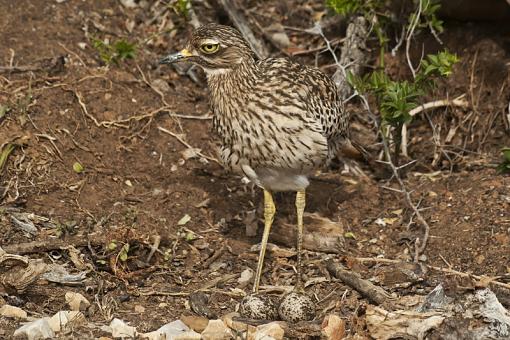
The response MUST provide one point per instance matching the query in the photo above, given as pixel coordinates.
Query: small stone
(245, 278)
(139, 309)
(35, 330)
(121, 330)
(271, 330)
(235, 325)
(76, 301)
(66, 320)
(173, 330)
(9, 311)
(295, 307)
(196, 323)
(216, 330)
(260, 307)
(333, 328)
(161, 85)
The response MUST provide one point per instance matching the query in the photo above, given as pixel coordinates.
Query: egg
(295, 307)
(259, 307)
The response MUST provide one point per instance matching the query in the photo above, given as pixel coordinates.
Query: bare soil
(66, 106)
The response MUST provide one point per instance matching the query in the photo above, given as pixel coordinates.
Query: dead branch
(492, 281)
(234, 13)
(186, 144)
(373, 293)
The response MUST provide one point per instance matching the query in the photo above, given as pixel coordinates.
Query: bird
(277, 121)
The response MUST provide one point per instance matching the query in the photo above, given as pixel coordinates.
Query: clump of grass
(504, 166)
(115, 52)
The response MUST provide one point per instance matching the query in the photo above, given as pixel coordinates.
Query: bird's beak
(174, 57)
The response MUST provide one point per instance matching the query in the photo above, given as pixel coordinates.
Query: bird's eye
(209, 48)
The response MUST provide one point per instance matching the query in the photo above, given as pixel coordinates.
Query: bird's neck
(230, 83)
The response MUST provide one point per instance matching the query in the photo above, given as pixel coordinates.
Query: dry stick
(154, 247)
(459, 102)
(439, 269)
(183, 142)
(373, 293)
(419, 244)
(239, 21)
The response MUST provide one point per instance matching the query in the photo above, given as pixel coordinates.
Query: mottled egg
(295, 307)
(260, 307)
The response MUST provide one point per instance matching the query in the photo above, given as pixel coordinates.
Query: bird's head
(216, 48)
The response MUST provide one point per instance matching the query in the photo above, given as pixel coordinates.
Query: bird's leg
(269, 211)
(300, 209)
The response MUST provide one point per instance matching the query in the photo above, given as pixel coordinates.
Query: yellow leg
(269, 211)
(300, 209)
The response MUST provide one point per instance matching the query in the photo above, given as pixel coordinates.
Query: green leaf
(112, 245)
(77, 167)
(123, 255)
(6, 151)
(350, 234)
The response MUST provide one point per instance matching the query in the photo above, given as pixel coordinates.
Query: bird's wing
(311, 92)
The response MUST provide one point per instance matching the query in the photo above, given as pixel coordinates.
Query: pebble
(66, 320)
(196, 323)
(235, 325)
(35, 330)
(333, 328)
(76, 301)
(216, 330)
(120, 329)
(271, 330)
(9, 311)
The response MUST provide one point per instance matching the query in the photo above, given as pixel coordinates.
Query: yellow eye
(209, 48)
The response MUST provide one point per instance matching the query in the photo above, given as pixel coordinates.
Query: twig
(154, 247)
(459, 102)
(439, 269)
(420, 244)
(409, 36)
(73, 53)
(183, 142)
(214, 257)
(373, 293)
(239, 21)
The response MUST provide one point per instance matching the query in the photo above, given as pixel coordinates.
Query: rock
(269, 331)
(333, 328)
(76, 301)
(196, 323)
(172, 331)
(121, 330)
(235, 325)
(66, 320)
(295, 307)
(245, 278)
(35, 330)
(9, 311)
(139, 309)
(216, 330)
(161, 85)
(260, 307)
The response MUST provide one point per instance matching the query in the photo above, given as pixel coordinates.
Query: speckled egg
(260, 307)
(295, 307)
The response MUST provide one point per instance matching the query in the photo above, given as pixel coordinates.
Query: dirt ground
(139, 182)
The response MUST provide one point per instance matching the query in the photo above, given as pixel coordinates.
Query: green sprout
(116, 52)
(504, 166)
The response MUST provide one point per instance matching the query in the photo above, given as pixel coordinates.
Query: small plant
(182, 7)
(396, 99)
(115, 52)
(380, 15)
(504, 166)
